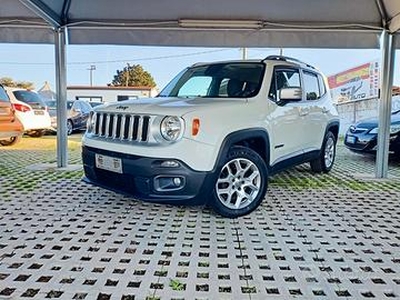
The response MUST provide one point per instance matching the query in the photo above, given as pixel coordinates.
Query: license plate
(109, 163)
(39, 112)
(350, 139)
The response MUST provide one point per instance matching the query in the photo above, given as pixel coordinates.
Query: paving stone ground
(333, 236)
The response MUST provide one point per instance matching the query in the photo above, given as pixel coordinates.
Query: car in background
(77, 114)
(31, 111)
(11, 129)
(363, 136)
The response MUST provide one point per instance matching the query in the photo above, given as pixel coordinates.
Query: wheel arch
(333, 127)
(256, 139)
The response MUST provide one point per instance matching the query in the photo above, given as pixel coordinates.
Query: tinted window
(28, 97)
(311, 86)
(3, 95)
(283, 78)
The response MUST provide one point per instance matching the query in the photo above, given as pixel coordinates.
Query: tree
(8, 81)
(133, 75)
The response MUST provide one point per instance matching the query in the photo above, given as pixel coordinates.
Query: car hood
(373, 122)
(168, 106)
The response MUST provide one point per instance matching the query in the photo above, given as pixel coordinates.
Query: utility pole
(91, 69)
(281, 51)
(244, 53)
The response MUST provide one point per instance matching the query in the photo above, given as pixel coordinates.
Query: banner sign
(358, 83)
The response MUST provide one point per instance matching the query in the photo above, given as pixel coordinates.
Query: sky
(35, 63)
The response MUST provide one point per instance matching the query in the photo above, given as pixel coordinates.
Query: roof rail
(287, 58)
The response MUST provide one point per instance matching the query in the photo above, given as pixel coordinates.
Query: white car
(215, 134)
(31, 110)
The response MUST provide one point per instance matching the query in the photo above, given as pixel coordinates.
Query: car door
(86, 109)
(313, 111)
(286, 130)
(76, 114)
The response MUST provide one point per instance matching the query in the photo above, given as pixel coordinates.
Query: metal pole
(244, 53)
(61, 87)
(385, 104)
(91, 69)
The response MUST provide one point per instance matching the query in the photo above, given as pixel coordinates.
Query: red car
(11, 129)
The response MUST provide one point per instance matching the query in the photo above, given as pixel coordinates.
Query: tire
(241, 183)
(326, 159)
(70, 127)
(12, 141)
(36, 133)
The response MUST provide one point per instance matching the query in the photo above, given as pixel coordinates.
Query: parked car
(215, 134)
(77, 114)
(363, 136)
(31, 110)
(11, 129)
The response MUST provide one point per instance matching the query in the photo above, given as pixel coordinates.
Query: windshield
(221, 80)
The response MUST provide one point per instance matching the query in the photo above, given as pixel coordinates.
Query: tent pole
(61, 86)
(385, 104)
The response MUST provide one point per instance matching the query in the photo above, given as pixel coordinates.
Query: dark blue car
(363, 136)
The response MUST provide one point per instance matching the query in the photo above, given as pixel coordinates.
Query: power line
(120, 60)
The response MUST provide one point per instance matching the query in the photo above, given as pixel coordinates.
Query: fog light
(165, 183)
(170, 164)
(177, 181)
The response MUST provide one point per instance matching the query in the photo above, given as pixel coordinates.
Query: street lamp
(91, 69)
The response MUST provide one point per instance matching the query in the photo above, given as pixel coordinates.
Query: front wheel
(11, 141)
(324, 163)
(241, 184)
(70, 127)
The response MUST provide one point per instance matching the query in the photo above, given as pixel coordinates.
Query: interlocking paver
(330, 236)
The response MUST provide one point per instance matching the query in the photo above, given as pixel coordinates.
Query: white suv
(215, 134)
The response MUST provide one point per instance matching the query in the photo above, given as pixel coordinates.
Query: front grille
(124, 127)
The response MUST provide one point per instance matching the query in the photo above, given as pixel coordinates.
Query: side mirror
(290, 94)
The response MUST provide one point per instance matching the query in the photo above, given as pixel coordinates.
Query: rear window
(30, 98)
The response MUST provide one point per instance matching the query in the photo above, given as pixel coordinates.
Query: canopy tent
(223, 23)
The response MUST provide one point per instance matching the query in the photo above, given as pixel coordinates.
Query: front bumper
(144, 178)
(368, 142)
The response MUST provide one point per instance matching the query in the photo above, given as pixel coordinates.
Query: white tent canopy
(254, 23)
(220, 23)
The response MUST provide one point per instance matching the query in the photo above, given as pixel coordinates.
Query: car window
(27, 96)
(70, 104)
(311, 86)
(3, 95)
(220, 80)
(283, 78)
(195, 87)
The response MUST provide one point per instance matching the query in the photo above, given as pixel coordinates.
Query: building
(109, 93)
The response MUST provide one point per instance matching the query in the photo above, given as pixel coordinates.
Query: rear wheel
(324, 163)
(36, 133)
(241, 183)
(11, 141)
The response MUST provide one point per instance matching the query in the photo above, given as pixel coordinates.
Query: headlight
(171, 128)
(393, 129)
(374, 131)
